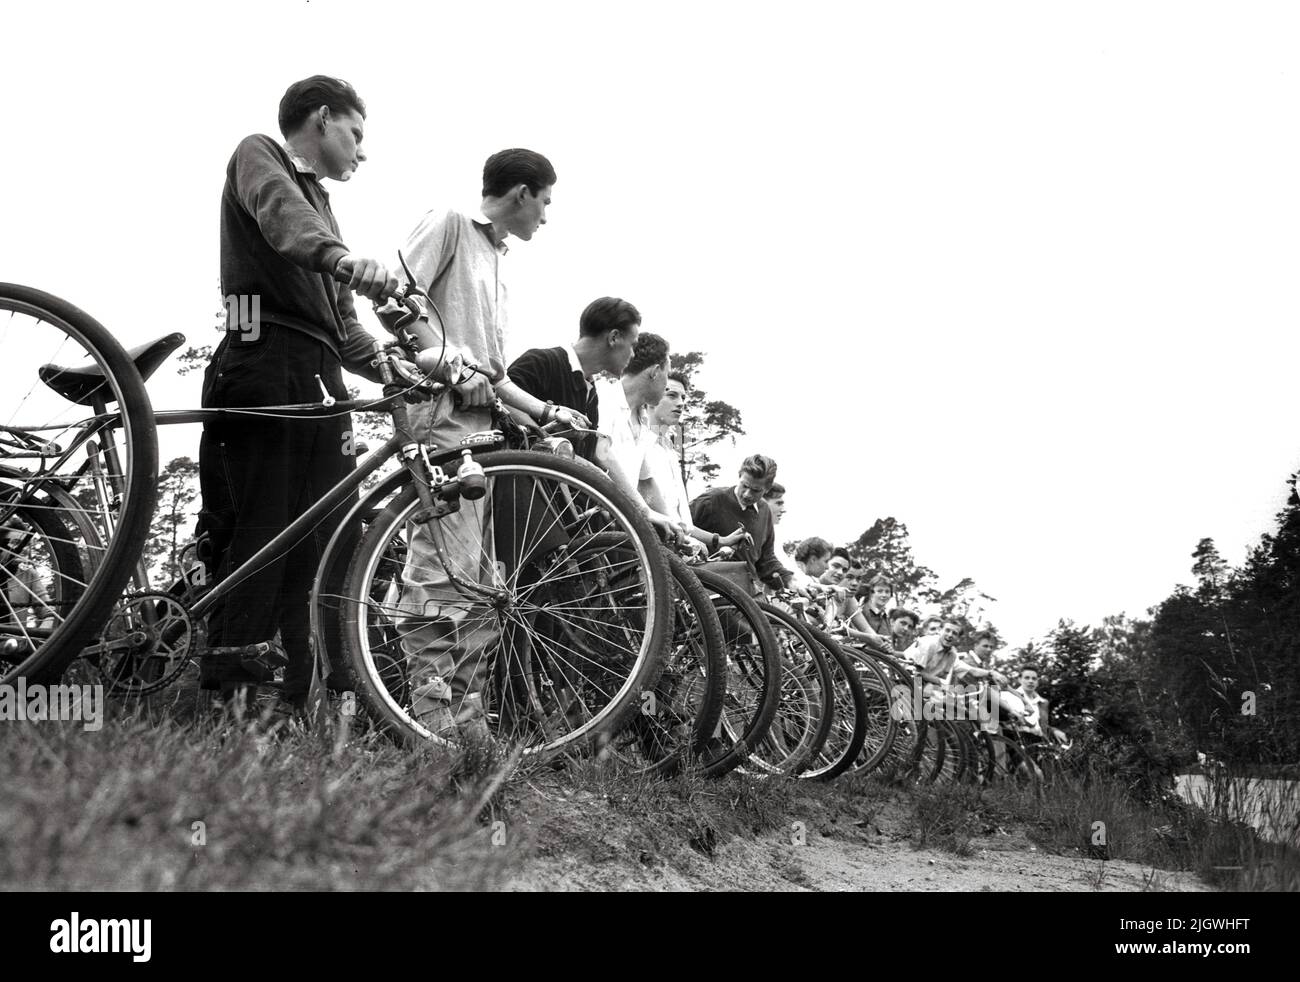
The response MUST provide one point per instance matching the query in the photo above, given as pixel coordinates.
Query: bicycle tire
(753, 669)
(678, 716)
(848, 733)
(881, 729)
(899, 750)
(813, 695)
(113, 568)
(1014, 765)
(530, 652)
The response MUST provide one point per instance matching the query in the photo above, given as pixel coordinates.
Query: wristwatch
(548, 413)
(714, 547)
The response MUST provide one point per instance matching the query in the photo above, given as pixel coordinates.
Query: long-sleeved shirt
(556, 375)
(718, 510)
(455, 259)
(280, 244)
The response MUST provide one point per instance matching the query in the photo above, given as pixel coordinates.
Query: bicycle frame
(104, 473)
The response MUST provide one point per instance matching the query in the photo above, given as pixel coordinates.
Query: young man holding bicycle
(626, 440)
(722, 511)
(290, 332)
(664, 488)
(563, 376)
(455, 256)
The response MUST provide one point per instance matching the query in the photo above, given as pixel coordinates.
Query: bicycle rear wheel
(57, 436)
(539, 612)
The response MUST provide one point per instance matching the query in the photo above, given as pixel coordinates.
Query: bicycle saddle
(82, 383)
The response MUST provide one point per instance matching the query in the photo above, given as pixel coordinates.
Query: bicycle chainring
(146, 644)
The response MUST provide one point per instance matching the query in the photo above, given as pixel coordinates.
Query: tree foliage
(704, 423)
(173, 519)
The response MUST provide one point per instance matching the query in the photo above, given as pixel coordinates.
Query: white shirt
(661, 465)
(630, 436)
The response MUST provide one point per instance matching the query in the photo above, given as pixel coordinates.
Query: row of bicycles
(585, 631)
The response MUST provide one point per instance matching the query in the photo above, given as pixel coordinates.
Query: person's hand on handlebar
(476, 392)
(734, 538)
(571, 418)
(693, 546)
(368, 277)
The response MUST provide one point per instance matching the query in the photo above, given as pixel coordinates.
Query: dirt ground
(577, 841)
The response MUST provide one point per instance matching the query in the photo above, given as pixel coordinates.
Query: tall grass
(147, 803)
(1092, 813)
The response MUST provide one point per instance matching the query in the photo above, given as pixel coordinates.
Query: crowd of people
(613, 381)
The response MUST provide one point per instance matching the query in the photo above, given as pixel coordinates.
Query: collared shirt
(279, 245)
(932, 657)
(575, 366)
(629, 433)
(752, 506)
(300, 163)
(662, 467)
(878, 622)
(1037, 705)
(548, 374)
(455, 258)
(718, 510)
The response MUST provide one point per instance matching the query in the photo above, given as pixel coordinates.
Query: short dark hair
(954, 619)
(979, 636)
(812, 546)
(843, 554)
(650, 350)
(304, 97)
(898, 613)
(607, 314)
(507, 168)
(759, 467)
(1030, 668)
(856, 564)
(677, 375)
(932, 619)
(775, 491)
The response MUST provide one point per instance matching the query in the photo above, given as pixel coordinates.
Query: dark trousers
(258, 474)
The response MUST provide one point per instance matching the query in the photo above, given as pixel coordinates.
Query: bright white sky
(1019, 274)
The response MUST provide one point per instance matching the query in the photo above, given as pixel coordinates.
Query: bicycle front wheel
(76, 429)
(537, 613)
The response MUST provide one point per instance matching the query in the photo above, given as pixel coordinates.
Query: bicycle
(604, 625)
(74, 507)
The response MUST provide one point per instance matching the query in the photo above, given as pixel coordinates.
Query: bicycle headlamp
(556, 445)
